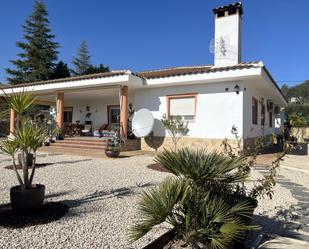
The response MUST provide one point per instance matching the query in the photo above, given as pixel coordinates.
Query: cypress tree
(36, 61)
(82, 60)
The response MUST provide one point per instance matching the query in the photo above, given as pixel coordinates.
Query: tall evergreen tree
(82, 61)
(36, 62)
(61, 71)
(97, 69)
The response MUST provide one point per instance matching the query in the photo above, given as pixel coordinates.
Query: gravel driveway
(103, 194)
(287, 214)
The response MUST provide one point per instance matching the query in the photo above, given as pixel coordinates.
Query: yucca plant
(26, 138)
(20, 102)
(201, 201)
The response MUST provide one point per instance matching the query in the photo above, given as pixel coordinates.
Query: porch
(88, 117)
(90, 144)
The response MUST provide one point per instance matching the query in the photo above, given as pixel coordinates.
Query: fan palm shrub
(26, 138)
(203, 201)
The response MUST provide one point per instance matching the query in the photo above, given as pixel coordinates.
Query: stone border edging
(160, 242)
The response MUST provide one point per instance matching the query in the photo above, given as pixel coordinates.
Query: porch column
(124, 112)
(12, 121)
(60, 108)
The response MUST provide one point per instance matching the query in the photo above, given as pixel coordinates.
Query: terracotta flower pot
(59, 137)
(27, 200)
(110, 153)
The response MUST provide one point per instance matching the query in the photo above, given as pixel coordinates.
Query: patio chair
(87, 128)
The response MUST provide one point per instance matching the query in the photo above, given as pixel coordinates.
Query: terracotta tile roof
(81, 77)
(177, 71)
(168, 72)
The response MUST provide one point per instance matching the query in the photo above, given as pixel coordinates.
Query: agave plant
(25, 139)
(201, 202)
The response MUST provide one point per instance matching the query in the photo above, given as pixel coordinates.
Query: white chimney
(227, 41)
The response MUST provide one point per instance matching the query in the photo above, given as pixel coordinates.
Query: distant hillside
(300, 91)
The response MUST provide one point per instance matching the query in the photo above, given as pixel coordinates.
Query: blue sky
(151, 34)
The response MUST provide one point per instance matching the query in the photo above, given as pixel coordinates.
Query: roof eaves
(203, 69)
(274, 82)
(172, 68)
(74, 78)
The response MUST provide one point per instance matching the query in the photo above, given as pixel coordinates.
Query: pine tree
(61, 71)
(97, 69)
(82, 61)
(36, 62)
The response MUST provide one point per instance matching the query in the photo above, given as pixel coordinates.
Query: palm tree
(26, 138)
(202, 201)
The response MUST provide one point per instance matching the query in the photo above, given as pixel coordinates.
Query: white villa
(212, 98)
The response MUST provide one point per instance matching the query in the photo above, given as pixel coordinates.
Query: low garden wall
(153, 143)
(131, 145)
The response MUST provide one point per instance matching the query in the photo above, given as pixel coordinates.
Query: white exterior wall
(98, 109)
(216, 112)
(252, 130)
(228, 38)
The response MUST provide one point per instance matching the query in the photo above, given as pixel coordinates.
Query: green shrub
(296, 120)
(176, 128)
(26, 138)
(300, 110)
(201, 202)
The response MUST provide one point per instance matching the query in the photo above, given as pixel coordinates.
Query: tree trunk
(33, 168)
(17, 174)
(25, 169)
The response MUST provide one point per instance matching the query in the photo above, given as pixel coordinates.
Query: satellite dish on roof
(222, 48)
(212, 46)
(142, 123)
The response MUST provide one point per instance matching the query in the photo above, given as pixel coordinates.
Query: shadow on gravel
(37, 165)
(50, 212)
(102, 195)
(41, 165)
(158, 167)
(73, 161)
(289, 222)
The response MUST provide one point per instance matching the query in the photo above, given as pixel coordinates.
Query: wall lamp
(236, 88)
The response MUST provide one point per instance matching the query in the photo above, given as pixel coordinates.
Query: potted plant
(113, 146)
(51, 128)
(25, 140)
(46, 143)
(60, 133)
